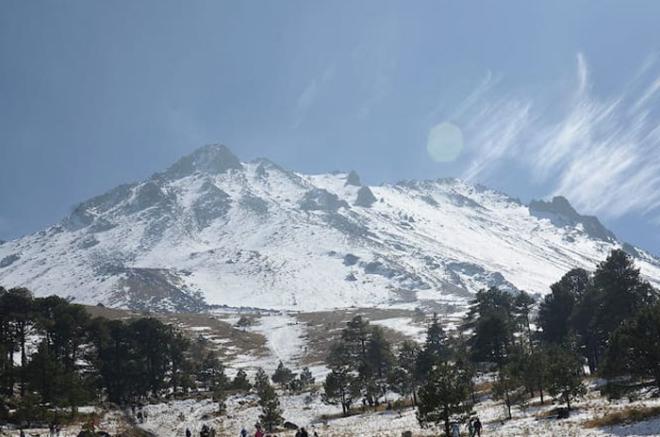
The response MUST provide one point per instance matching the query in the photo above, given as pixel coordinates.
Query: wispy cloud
(309, 95)
(601, 153)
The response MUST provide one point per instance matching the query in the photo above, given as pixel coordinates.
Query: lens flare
(445, 142)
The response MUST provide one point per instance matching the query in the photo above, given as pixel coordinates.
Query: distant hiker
(477, 426)
(471, 427)
(244, 433)
(303, 432)
(455, 432)
(259, 432)
(188, 433)
(205, 432)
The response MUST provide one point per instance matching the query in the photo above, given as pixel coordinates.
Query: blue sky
(548, 97)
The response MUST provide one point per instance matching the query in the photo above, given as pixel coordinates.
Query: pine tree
(271, 413)
(564, 375)
(635, 347)
(379, 361)
(443, 396)
(623, 292)
(341, 384)
(491, 324)
(435, 349)
(405, 378)
(306, 378)
(283, 375)
(261, 380)
(556, 310)
(241, 381)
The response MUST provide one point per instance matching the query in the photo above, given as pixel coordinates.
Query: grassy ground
(324, 327)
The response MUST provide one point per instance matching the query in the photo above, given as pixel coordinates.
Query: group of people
(259, 432)
(206, 431)
(473, 428)
(54, 429)
(139, 414)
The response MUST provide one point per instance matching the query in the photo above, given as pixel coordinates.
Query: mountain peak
(211, 159)
(561, 213)
(353, 179)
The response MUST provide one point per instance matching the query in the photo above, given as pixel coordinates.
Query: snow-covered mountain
(214, 230)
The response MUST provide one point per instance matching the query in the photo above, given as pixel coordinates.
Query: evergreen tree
(435, 349)
(211, 372)
(443, 396)
(405, 377)
(241, 382)
(564, 375)
(271, 413)
(522, 309)
(341, 384)
(379, 361)
(17, 302)
(261, 380)
(508, 388)
(635, 347)
(306, 378)
(283, 375)
(556, 310)
(623, 293)
(490, 324)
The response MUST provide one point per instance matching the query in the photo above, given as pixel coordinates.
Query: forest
(55, 357)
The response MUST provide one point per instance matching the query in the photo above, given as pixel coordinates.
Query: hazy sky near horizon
(531, 98)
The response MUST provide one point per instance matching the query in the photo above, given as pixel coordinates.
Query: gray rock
(319, 199)
(561, 213)
(9, 260)
(210, 159)
(353, 179)
(365, 197)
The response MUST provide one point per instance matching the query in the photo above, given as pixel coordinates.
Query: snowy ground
(170, 419)
(308, 410)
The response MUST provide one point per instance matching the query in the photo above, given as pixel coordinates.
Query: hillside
(212, 230)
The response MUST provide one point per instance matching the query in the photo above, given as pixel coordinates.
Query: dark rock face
(255, 204)
(561, 213)
(211, 159)
(83, 214)
(145, 196)
(350, 259)
(9, 260)
(353, 179)
(319, 199)
(211, 204)
(365, 197)
(477, 272)
(156, 289)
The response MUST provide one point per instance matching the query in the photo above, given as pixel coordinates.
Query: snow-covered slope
(214, 230)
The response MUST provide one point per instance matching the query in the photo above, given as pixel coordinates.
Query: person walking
(188, 433)
(470, 427)
(455, 431)
(477, 426)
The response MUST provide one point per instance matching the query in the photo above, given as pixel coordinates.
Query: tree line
(54, 354)
(607, 321)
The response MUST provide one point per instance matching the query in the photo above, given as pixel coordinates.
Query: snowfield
(212, 229)
(170, 419)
